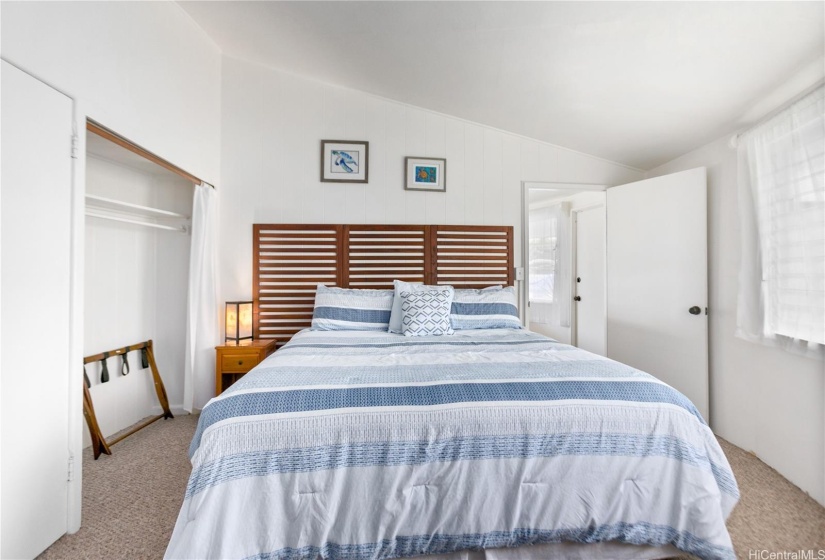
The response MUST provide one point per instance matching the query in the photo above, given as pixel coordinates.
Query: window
(782, 201)
(549, 266)
(543, 240)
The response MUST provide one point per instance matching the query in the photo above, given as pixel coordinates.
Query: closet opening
(137, 244)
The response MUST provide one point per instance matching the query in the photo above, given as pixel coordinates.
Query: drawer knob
(240, 362)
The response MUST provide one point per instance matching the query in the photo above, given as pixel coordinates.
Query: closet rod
(104, 132)
(181, 229)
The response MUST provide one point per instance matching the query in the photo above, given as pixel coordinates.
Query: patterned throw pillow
(426, 313)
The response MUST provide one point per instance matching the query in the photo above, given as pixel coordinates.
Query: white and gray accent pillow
(395, 314)
(426, 312)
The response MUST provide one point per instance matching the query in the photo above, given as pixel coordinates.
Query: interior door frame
(574, 238)
(78, 259)
(524, 296)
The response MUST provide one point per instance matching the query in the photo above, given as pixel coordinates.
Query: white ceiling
(634, 82)
(548, 195)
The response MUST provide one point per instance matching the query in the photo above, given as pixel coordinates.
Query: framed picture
(344, 161)
(426, 174)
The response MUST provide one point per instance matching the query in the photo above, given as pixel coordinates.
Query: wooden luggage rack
(99, 443)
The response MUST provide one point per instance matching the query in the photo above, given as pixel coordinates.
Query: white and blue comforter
(347, 445)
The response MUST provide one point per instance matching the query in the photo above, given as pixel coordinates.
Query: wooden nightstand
(232, 360)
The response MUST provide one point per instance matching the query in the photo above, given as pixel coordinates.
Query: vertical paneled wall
(272, 125)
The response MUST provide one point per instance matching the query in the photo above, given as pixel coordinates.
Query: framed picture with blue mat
(344, 161)
(426, 174)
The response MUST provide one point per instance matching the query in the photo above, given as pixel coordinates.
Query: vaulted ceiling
(633, 82)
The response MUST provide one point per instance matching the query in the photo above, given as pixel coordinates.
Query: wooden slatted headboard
(290, 260)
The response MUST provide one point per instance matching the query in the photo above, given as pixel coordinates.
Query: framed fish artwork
(344, 161)
(426, 174)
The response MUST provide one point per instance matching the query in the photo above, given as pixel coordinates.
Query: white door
(589, 286)
(657, 280)
(35, 233)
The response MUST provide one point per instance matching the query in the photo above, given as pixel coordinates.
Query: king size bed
(485, 441)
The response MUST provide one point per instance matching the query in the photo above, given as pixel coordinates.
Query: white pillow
(395, 314)
(427, 312)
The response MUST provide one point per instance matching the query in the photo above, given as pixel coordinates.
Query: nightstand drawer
(232, 361)
(238, 363)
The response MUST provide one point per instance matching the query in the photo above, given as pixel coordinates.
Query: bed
(488, 443)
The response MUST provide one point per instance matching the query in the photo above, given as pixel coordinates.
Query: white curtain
(782, 220)
(202, 326)
(549, 253)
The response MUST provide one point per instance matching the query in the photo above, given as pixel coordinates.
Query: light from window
(542, 269)
(783, 162)
(542, 254)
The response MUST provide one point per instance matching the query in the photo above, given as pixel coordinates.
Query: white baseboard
(177, 410)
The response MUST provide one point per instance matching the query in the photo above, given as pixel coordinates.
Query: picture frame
(345, 161)
(425, 174)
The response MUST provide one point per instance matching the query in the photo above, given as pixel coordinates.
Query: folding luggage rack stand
(99, 443)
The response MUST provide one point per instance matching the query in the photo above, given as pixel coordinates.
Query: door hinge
(706, 310)
(70, 474)
(74, 146)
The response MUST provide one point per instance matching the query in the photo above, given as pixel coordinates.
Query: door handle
(577, 298)
(695, 310)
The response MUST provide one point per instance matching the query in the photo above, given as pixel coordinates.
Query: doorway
(551, 260)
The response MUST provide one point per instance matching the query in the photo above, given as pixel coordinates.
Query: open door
(657, 288)
(590, 303)
(35, 208)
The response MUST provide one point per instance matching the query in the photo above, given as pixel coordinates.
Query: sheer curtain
(202, 326)
(549, 253)
(782, 220)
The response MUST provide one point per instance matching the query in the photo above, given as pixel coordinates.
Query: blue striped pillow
(485, 309)
(341, 309)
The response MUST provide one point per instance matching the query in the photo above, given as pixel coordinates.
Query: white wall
(272, 127)
(143, 69)
(762, 399)
(136, 281)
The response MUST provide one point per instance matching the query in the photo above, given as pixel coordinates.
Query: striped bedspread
(355, 445)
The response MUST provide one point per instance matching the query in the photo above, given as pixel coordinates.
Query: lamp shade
(238, 320)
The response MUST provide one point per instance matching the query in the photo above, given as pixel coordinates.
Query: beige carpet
(131, 501)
